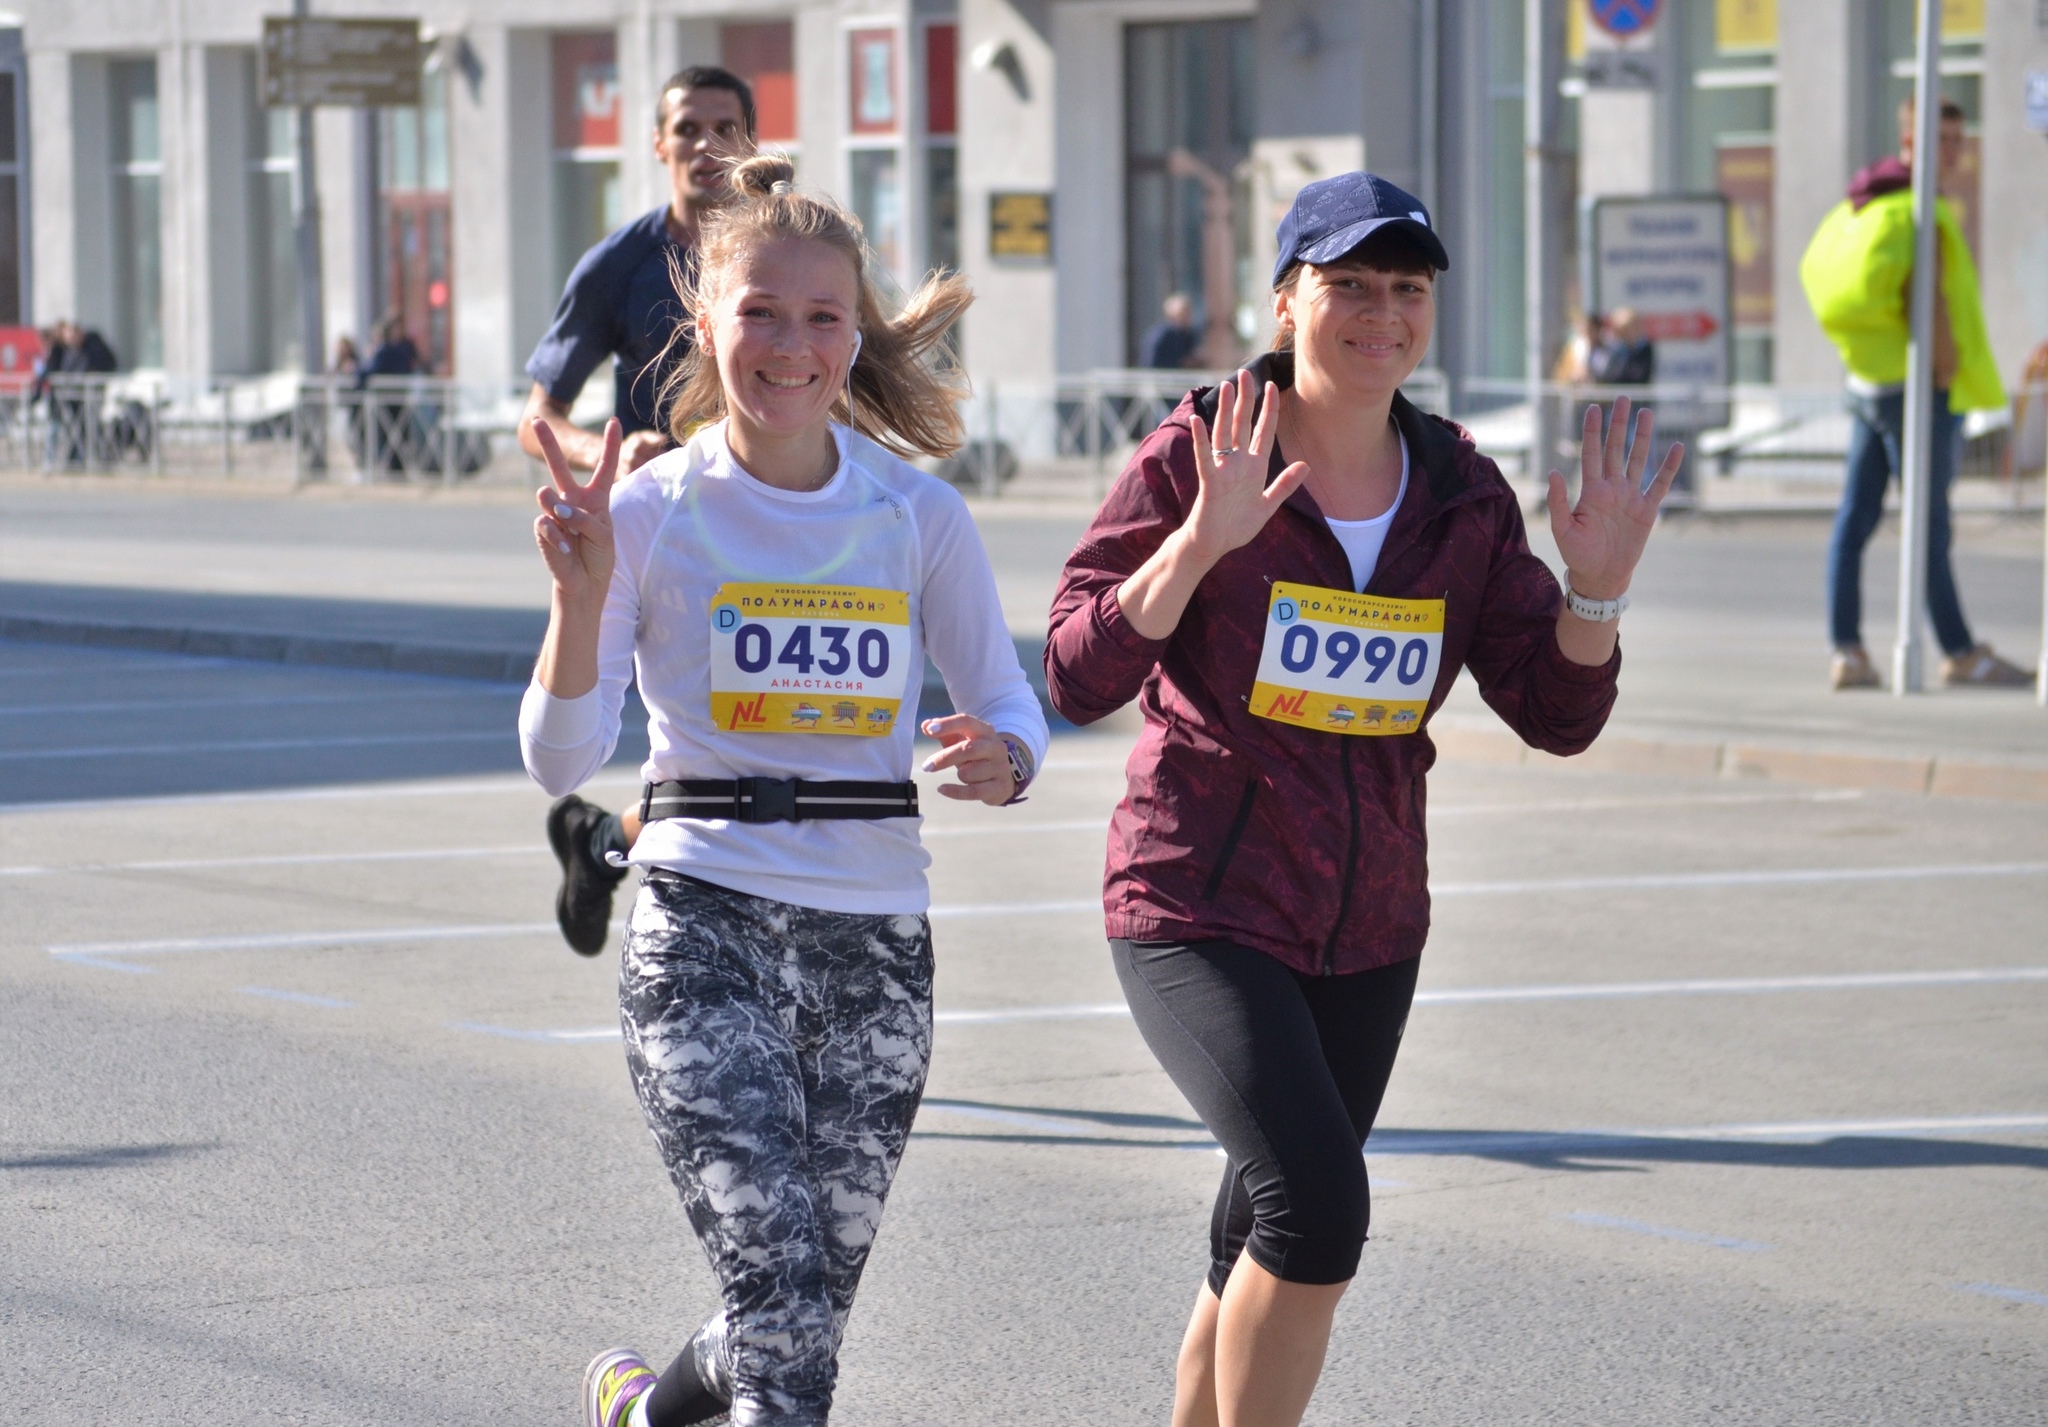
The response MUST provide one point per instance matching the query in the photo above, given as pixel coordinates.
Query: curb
(390, 656)
(1928, 775)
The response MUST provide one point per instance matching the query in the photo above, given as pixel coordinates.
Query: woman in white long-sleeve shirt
(776, 584)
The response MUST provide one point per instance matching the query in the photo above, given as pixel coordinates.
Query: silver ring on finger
(1219, 452)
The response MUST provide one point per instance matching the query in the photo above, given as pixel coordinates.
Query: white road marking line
(1016, 829)
(595, 1033)
(1822, 1129)
(507, 736)
(1030, 1013)
(136, 663)
(293, 859)
(1662, 1231)
(1999, 1290)
(280, 941)
(302, 998)
(1683, 881)
(503, 784)
(152, 706)
(1732, 986)
(1587, 805)
(1015, 909)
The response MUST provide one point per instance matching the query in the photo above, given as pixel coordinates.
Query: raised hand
(1234, 502)
(574, 528)
(1602, 537)
(973, 748)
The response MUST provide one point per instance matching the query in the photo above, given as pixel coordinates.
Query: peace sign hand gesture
(1234, 502)
(574, 529)
(1602, 538)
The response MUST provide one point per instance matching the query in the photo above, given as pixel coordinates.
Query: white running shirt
(691, 521)
(1364, 539)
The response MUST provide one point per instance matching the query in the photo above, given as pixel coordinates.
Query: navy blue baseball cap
(1332, 216)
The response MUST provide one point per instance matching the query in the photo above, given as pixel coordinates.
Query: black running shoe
(584, 905)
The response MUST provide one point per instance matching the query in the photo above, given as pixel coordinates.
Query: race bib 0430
(1348, 663)
(809, 659)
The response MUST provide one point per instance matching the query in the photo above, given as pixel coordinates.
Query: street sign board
(1020, 227)
(1624, 19)
(309, 60)
(1622, 69)
(1667, 260)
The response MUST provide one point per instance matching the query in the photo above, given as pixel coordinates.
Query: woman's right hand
(574, 528)
(1234, 501)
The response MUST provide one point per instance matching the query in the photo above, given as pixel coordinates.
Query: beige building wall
(2014, 235)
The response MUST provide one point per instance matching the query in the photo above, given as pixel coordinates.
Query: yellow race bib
(1348, 663)
(809, 659)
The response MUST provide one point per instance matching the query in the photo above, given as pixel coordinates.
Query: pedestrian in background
(1274, 591)
(1858, 275)
(1173, 341)
(621, 301)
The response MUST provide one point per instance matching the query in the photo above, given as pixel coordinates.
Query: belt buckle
(772, 800)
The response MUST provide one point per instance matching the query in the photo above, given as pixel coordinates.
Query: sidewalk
(1725, 655)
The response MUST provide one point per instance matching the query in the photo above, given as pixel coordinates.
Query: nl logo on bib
(1348, 663)
(809, 659)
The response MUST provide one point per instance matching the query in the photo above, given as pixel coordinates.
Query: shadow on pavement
(102, 1156)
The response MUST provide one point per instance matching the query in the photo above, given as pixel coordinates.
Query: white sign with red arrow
(1666, 260)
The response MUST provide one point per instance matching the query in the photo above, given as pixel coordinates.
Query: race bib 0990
(809, 659)
(1348, 663)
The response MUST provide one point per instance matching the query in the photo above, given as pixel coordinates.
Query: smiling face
(1357, 329)
(701, 131)
(781, 325)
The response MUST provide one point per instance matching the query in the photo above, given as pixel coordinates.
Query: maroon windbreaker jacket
(1307, 845)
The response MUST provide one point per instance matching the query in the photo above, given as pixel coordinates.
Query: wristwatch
(1022, 766)
(1598, 611)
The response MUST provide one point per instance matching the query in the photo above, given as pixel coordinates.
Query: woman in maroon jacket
(1288, 626)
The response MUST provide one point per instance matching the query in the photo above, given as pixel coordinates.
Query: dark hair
(1951, 112)
(705, 76)
(1396, 248)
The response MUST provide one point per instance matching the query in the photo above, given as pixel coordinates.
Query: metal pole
(312, 325)
(1914, 482)
(1542, 66)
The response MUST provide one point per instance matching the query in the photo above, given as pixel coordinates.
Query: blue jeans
(1876, 438)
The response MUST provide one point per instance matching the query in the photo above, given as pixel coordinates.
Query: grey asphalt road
(1722, 1103)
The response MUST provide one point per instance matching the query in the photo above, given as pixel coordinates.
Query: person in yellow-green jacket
(1858, 275)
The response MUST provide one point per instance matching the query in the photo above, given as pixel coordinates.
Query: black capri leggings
(1287, 1071)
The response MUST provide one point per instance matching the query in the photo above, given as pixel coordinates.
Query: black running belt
(768, 800)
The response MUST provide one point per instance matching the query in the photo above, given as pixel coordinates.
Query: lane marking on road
(594, 1033)
(506, 736)
(1007, 1015)
(1663, 1231)
(288, 859)
(1689, 800)
(1016, 829)
(152, 706)
(503, 784)
(133, 664)
(1685, 881)
(1016, 909)
(301, 998)
(282, 941)
(1999, 1290)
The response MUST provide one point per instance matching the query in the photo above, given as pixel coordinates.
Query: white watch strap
(1598, 611)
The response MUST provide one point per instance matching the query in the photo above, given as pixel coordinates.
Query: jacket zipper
(1350, 867)
(1231, 838)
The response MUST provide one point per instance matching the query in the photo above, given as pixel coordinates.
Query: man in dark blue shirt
(621, 300)
(1172, 341)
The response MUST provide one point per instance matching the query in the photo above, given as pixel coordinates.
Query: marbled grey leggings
(779, 1053)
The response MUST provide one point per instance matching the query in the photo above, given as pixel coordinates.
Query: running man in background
(1858, 275)
(621, 299)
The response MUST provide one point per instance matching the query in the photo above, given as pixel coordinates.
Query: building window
(588, 199)
(942, 147)
(1187, 133)
(412, 174)
(11, 304)
(273, 242)
(764, 55)
(1730, 52)
(874, 163)
(138, 213)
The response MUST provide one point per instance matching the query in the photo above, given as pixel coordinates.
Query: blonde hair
(905, 385)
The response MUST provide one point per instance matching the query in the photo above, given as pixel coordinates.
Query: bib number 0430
(809, 659)
(1348, 663)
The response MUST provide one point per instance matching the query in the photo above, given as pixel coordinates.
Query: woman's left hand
(981, 758)
(1603, 537)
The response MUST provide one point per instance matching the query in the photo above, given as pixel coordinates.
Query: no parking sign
(1625, 19)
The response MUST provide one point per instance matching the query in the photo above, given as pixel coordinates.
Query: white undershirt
(1363, 539)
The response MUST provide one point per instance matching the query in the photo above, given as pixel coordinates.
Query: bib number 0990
(754, 646)
(1298, 651)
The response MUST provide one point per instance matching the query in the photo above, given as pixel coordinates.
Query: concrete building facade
(1078, 160)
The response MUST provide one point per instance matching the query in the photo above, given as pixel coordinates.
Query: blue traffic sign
(1624, 18)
